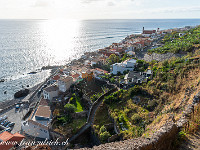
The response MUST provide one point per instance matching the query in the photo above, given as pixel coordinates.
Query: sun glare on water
(60, 38)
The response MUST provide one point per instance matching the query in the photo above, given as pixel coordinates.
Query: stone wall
(79, 114)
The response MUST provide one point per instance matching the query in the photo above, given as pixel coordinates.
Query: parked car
(1, 119)
(8, 129)
(10, 124)
(17, 106)
(5, 124)
(5, 117)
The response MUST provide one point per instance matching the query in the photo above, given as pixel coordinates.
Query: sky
(99, 9)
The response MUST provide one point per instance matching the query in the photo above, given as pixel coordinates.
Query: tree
(70, 108)
(112, 80)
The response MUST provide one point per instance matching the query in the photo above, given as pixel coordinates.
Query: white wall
(35, 130)
(50, 95)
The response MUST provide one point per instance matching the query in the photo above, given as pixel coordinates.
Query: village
(65, 103)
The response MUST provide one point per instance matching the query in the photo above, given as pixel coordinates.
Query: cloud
(90, 1)
(110, 4)
(43, 3)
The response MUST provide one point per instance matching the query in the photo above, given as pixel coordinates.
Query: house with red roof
(9, 140)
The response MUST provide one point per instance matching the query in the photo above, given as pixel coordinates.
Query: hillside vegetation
(174, 43)
(143, 109)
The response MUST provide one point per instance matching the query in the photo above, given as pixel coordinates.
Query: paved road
(15, 116)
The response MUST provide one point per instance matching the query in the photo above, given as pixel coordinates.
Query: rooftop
(57, 77)
(51, 88)
(43, 102)
(6, 136)
(66, 79)
(75, 75)
(38, 124)
(43, 111)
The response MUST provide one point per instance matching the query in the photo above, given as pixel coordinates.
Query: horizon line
(98, 19)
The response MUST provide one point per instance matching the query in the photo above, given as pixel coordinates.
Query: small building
(125, 66)
(88, 75)
(181, 34)
(148, 33)
(99, 71)
(50, 92)
(148, 73)
(55, 79)
(94, 62)
(131, 53)
(133, 77)
(38, 122)
(9, 141)
(64, 83)
(76, 77)
(43, 115)
(35, 129)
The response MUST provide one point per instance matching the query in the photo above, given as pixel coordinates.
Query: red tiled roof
(98, 69)
(149, 31)
(5, 136)
(12, 138)
(57, 77)
(75, 75)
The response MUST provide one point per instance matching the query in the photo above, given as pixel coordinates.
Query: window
(45, 131)
(40, 129)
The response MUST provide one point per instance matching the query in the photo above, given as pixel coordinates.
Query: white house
(37, 124)
(35, 129)
(87, 62)
(131, 53)
(121, 67)
(93, 62)
(64, 83)
(181, 34)
(50, 92)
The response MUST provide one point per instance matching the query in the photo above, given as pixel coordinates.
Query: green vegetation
(174, 43)
(113, 59)
(134, 109)
(70, 108)
(104, 136)
(75, 100)
(130, 117)
(141, 65)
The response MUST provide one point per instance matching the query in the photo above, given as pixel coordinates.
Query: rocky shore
(7, 103)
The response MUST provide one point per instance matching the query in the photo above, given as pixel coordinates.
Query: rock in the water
(21, 93)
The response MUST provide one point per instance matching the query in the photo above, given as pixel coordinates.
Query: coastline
(8, 103)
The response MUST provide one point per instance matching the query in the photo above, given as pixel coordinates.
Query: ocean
(28, 45)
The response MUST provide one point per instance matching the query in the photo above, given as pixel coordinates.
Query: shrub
(136, 119)
(102, 129)
(152, 104)
(104, 136)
